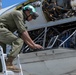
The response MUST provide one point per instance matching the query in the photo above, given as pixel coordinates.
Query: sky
(6, 3)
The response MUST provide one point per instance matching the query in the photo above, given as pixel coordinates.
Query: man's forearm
(30, 45)
(25, 36)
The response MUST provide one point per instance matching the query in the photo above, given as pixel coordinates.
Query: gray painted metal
(52, 23)
(46, 63)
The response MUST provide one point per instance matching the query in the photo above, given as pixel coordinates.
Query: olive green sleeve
(18, 18)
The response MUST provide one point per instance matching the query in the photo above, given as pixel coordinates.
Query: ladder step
(10, 72)
(5, 55)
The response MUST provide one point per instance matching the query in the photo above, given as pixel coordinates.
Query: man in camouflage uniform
(11, 22)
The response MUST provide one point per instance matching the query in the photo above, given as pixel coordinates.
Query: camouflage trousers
(7, 37)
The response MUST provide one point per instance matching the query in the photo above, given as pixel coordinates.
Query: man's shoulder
(16, 12)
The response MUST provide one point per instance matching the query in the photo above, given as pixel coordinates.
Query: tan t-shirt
(13, 21)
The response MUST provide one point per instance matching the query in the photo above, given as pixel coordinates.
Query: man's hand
(37, 46)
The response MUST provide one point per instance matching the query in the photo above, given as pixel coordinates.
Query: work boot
(10, 66)
(13, 68)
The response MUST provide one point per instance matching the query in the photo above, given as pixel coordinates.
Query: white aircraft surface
(61, 62)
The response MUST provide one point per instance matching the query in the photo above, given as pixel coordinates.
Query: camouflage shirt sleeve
(18, 19)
